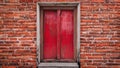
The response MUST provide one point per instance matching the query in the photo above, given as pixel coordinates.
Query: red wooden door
(58, 35)
(67, 48)
(50, 35)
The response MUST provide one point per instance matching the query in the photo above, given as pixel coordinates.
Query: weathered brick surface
(100, 33)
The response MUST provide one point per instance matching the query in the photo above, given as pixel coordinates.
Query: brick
(100, 61)
(98, 54)
(8, 50)
(26, 44)
(85, 60)
(25, 38)
(1, 51)
(5, 44)
(22, 51)
(101, 38)
(88, 66)
(117, 61)
(11, 1)
(97, 1)
(22, 1)
(1, 1)
(118, 1)
(26, 1)
(95, 57)
(8, 66)
(30, 1)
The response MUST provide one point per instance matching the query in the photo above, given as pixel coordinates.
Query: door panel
(50, 35)
(67, 48)
(58, 35)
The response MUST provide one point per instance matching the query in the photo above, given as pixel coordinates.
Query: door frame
(56, 5)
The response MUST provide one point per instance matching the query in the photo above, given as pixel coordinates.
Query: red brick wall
(100, 33)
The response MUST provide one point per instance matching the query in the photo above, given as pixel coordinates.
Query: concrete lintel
(58, 3)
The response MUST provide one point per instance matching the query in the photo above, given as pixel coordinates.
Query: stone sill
(58, 65)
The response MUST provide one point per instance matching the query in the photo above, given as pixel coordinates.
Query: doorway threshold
(58, 65)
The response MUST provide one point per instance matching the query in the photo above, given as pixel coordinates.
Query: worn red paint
(67, 51)
(50, 35)
(58, 34)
